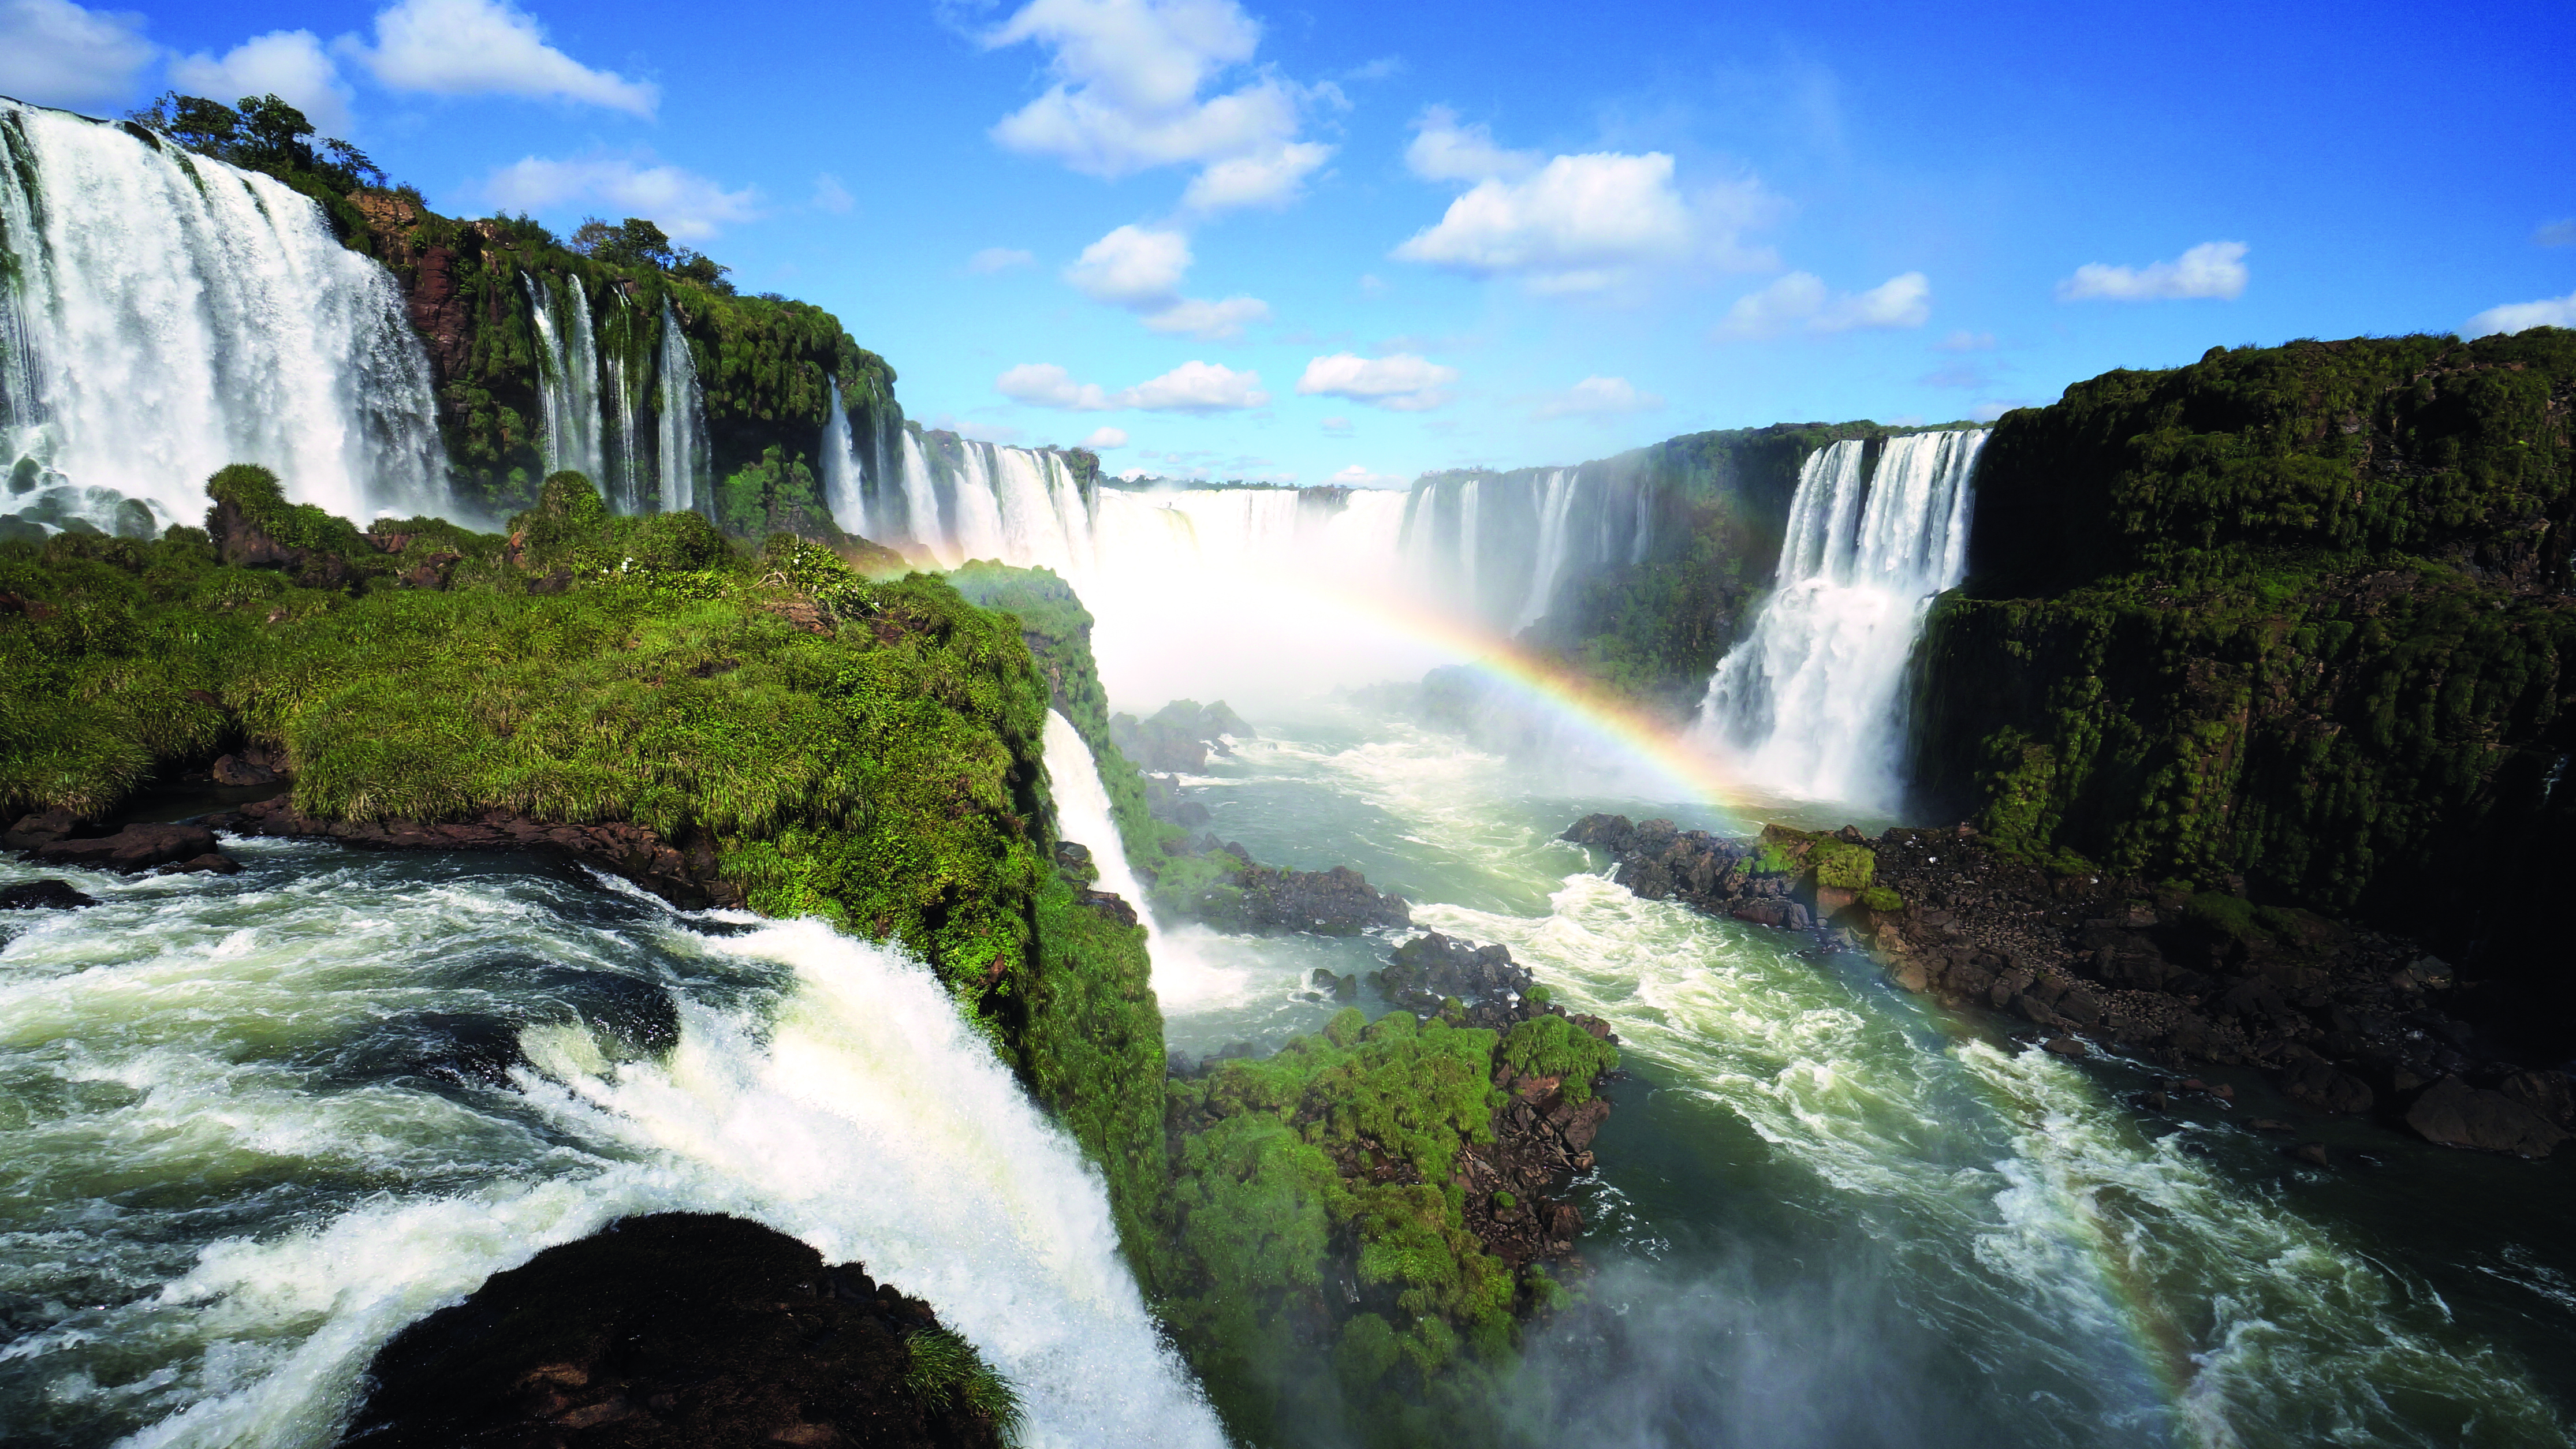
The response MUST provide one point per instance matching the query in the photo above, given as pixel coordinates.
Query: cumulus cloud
(1209, 321)
(1132, 267)
(1400, 382)
(1443, 150)
(1597, 397)
(690, 207)
(2211, 269)
(1127, 98)
(55, 53)
(1104, 439)
(288, 64)
(1356, 476)
(1140, 269)
(2517, 316)
(998, 259)
(1570, 223)
(1192, 387)
(1801, 302)
(488, 47)
(830, 195)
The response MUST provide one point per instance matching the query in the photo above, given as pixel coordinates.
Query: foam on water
(227, 1184)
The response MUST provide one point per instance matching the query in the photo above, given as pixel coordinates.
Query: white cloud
(1127, 98)
(488, 47)
(688, 206)
(1443, 150)
(830, 195)
(1132, 267)
(1598, 397)
(1356, 476)
(998, 259)
(55, 53)
(2555, 234)
(1581, 223)
(1400, 382)
(1194, 387)
(287, 64)
(1209, 321)
(1964, 341)
(1104, 439)
(2517, 316)
(2211, 269)
(1800, 301)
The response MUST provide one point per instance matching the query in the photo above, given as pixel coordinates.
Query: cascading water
(166, 315)
(844, 486)
(1808, 703)
(569, 376)
(359, 1084)
(685, 464)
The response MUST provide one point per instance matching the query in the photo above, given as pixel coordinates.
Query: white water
(228, 1182)
(1808, 704)
(683, 453)
(568, 376)
(626, 483)
(844, 484)
(171, 315)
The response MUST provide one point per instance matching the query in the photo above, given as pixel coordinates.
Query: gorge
(666, 779)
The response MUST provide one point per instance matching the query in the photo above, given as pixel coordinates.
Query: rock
(2312, 1083)
(36, 829)
(683, 871)
(2065, 1046)
(1433, 966)
(236, 771)
(674, 1331)
(2313, 1152)
(1336, 902)
(213, 862)
(43, 895)
(1109, 906)
(2454, 1114)
(134, 848)
(1909, 974)
(2269, 1124)
(2543, 1092)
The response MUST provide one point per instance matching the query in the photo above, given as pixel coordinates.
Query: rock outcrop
(685, 872)
(44, 895)
(56, 837)
(678, 1331)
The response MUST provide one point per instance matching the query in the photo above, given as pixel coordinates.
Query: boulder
(134, 848)
(2312, 1083)
(2543, 1092)
(2454, 1114)
(44, 895)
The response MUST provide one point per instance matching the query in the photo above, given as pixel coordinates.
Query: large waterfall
(684, 459)
(844, 482)
(569, 385)
(1808, 703)
(163, 315)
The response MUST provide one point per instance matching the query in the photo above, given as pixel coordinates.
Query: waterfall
(1083, 815)
(684, 424)
(844, 486)
(1554, 504)
(1808, 703)
(163, 315)
(625, 462)
(568, 377)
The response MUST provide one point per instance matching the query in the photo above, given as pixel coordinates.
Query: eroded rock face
(685, 874)
(674, 1331)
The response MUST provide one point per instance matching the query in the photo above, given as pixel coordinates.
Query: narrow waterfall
(1083, 815)
(1555, 502)
(569, 376)
(685, 466)
(1808, 703)
(624, 461)
(844, 486)
(163, 315)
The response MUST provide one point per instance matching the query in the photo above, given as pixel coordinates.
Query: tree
(262, 133)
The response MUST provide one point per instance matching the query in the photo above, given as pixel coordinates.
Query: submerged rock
(44, 895)
(680, 1331)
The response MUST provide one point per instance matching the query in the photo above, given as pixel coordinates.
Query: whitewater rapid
(254, 1126)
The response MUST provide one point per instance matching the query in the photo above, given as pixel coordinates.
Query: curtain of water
(1808, 703)
(685, 485)
(844, 486)
(167, 315)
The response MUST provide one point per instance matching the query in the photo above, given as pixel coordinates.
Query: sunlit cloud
(2522, 316)
(2211, 269)
(1400, 382)
(688, 206)
(1192, 387)
(1800, 302)
(55, 53)
(487, 47)
(288, 64)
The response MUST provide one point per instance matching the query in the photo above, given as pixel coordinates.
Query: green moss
(945, 1368)
(1883, 900)
(1841, 865)
(1551, 1046)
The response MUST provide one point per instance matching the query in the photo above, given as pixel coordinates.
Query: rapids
(253, 1126)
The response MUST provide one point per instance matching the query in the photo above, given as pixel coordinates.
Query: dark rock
(2311, 1152)
(43, 895)
(2065, 1046)
(38, 829)
(2312, 1083)
(674, 1331)
(2543, 1092)
(1336, 902)
(211, 863)
(235, 770)
(1178, 738)
(683, 872)
(134, 848)
(2455, 1114)
(1110, 906)
(1432, 966)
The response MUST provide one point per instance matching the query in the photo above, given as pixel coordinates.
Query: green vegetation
(2294, 613)
(1843, 866)
(1551, 1046)
(947, 1368)
(265, 134)
(1882, 899)
(1336, 1159)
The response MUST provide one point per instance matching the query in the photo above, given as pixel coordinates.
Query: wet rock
(44, 895)
(132, 849)
(2454, 1114)
(1109, 906)
(2065, 1046)
(2311, 1152)
(683, 872)
(2311, 1082)
(674, 1331)
(1434, 966)
(36, 829)
(236, 770)
(1336, 902)
(213, 862)
(2546, 1093)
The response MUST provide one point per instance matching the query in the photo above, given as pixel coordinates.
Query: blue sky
(1236, 239)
